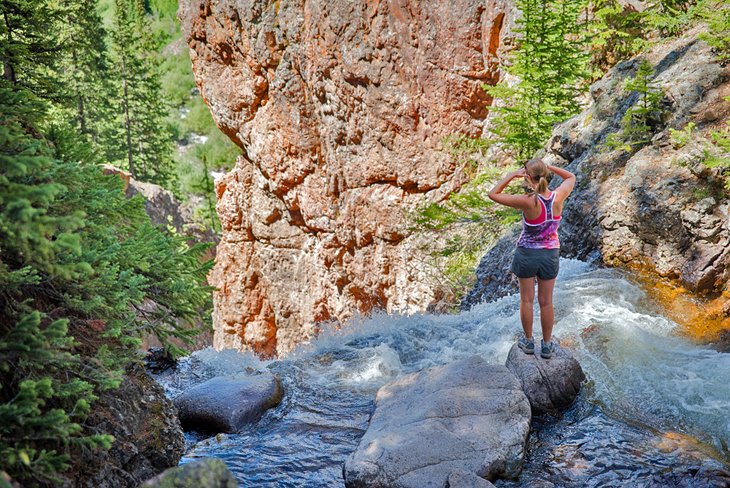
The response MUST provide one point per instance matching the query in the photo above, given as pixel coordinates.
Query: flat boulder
(552, 384)
(467, 417)
(227, 403)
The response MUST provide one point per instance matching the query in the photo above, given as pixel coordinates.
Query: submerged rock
(551, 385)
(205, 473)
(465, 416)
(227, 403)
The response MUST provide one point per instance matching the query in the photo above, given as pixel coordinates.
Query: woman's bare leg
(547, 315)
(527, 298)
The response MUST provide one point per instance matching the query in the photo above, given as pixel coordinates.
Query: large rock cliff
(340, 109)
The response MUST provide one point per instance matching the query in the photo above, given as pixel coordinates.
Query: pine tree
(84, 69)
(550, 64)
(28, 47)
(77, 258)
(616, 32)
(642, 118)
(141, 139)
(74, 252)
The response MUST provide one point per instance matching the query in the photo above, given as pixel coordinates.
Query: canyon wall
(340, 110)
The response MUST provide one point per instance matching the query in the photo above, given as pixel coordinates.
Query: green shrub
(680, 138)
(642, 118)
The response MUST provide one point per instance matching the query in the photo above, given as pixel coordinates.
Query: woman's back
(542, 232)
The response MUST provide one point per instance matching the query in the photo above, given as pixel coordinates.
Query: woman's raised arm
(514, 201)
(567, 185)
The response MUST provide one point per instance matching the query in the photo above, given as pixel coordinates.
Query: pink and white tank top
(542, 232)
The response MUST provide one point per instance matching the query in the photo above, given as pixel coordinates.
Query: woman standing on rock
(538, 248)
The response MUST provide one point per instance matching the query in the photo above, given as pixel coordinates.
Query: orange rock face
(340, 108)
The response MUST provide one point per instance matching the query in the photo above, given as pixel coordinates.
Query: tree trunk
(127, 121)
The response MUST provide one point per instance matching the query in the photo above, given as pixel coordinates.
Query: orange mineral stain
(702, 318)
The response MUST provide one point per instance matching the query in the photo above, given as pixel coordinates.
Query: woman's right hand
(520, 173)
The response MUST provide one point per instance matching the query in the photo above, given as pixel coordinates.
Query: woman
(538, 248)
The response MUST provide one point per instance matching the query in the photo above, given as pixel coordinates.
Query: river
(654, 411)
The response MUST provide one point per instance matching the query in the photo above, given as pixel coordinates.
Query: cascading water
(655, 408)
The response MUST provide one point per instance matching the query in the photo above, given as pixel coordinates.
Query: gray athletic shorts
(543, 263)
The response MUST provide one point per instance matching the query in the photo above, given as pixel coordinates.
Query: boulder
(551, 385)
(204, 473)
(227, 403)
(465, 416)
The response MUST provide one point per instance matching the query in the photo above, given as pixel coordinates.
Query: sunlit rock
(341, 109)
(465, 416)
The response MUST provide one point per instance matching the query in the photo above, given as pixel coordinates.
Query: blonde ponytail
(538, 171)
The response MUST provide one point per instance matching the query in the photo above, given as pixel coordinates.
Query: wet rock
(465, 416)
(227, 403)
(551, 385)
(464, 479)
(147, 435)
(158, 359)
(537, 484)
(494, 279)
(692, 477)
(205, 473)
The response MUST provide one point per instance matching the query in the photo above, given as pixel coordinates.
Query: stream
(654, 411)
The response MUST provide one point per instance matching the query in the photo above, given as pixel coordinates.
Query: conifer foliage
(550, 63)
(141, 140)
(642, 118)
(83, 273)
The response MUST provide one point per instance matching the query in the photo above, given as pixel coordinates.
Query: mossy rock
(206, 473)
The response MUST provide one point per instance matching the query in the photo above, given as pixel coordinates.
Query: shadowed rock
(552, 384)
(147, 436)
(227, 403)
(465, 416)
(205, 473)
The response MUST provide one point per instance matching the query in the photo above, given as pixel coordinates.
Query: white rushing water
(640, 370)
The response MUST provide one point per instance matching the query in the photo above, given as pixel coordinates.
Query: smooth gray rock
(467, 415)
(551, 385)
(227, 403)
(205, 473)
(464, 479)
